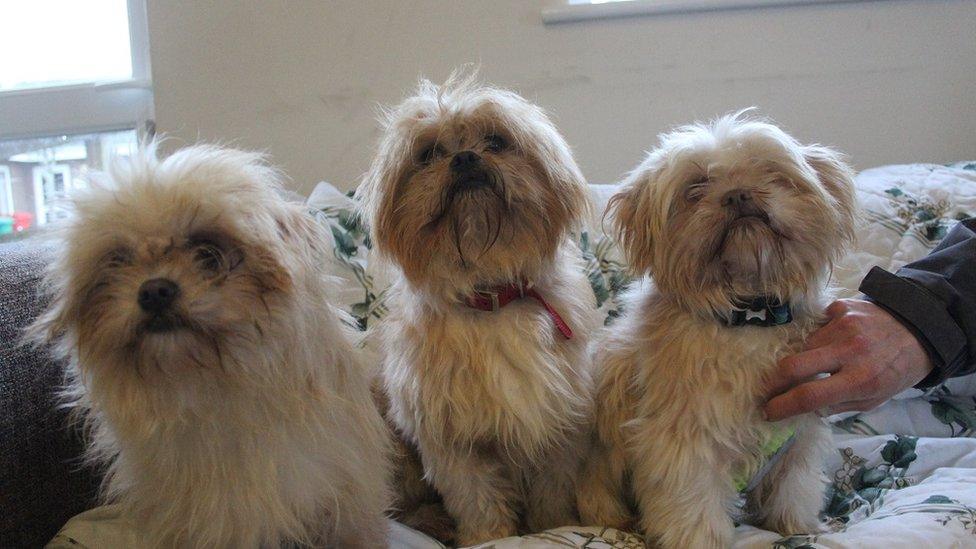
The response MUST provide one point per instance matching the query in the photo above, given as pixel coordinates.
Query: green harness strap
(766, 312)
(773, 450)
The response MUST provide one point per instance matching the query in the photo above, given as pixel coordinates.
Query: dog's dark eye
(495, 143)
(118, 257)
(429, 154)
(214, 253)
(696, 190)
(208, 256)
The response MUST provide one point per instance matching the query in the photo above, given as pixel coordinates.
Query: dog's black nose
(736, 197)
(464, 161)
(157, 295)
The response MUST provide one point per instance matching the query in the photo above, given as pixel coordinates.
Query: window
(51, 43)
(579, 10)
(50, 182)
(75, 91)
(6, 192)
(37, 173)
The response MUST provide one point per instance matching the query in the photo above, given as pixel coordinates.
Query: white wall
(884, 81)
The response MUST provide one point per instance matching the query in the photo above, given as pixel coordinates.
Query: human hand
(868, 353)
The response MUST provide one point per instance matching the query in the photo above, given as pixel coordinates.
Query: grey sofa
(42, 479)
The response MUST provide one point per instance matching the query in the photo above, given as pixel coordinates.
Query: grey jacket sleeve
(935, 297)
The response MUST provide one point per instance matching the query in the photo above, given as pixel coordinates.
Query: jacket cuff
(925, 315)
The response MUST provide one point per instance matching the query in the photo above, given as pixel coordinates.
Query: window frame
(91, 107)
(6, 191)
(566, 11)
(43, 206)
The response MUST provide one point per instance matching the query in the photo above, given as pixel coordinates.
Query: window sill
(79, 108)
(569, 13)
(129, 83)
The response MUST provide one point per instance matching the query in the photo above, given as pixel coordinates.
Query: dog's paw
(432, 519)
(790, 525)
(699, 538)
(606, 512)
(467, 538)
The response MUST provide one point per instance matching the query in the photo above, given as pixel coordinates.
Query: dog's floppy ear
(63, 304)
(297, 227)
(52, 324)
(298, 244)
(570, 187)
(376, 193)
(571, 200)
(838, 178)
(630, 228)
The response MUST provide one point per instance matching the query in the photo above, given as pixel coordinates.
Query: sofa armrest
(42, 480)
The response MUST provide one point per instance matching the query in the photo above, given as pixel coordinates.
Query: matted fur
(679, 394)
(249, 424)
(496, 402)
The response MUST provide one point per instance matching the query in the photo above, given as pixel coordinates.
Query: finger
(798, 368)
(856, 406)
(841, 307)
(810, 396)
(826, 334)
(837, 308)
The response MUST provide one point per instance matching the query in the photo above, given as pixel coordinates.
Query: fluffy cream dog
(472, 195)
(217, 380)
(720, 215)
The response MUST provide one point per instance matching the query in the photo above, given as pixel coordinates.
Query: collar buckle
(491, 296)
(494, 298)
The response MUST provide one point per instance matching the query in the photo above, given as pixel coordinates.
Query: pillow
(906, 210)
(362, 291)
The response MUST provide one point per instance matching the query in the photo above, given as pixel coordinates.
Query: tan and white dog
(739, 225)
(219, 385)
(472, 195)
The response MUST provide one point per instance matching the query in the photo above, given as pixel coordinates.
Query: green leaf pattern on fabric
(608, 276)
(351, 249)
(924, 218)
(858, 486)
(958, 412)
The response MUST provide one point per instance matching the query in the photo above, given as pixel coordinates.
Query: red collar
(496, 297)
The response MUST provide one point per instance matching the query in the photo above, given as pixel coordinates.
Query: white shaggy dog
(738, 224)
(472, 195)
(218, 382)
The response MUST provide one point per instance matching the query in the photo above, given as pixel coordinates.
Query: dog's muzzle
(161, 323)
(156, 298)
(469, 172)
(740, 203)
(157, 295)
